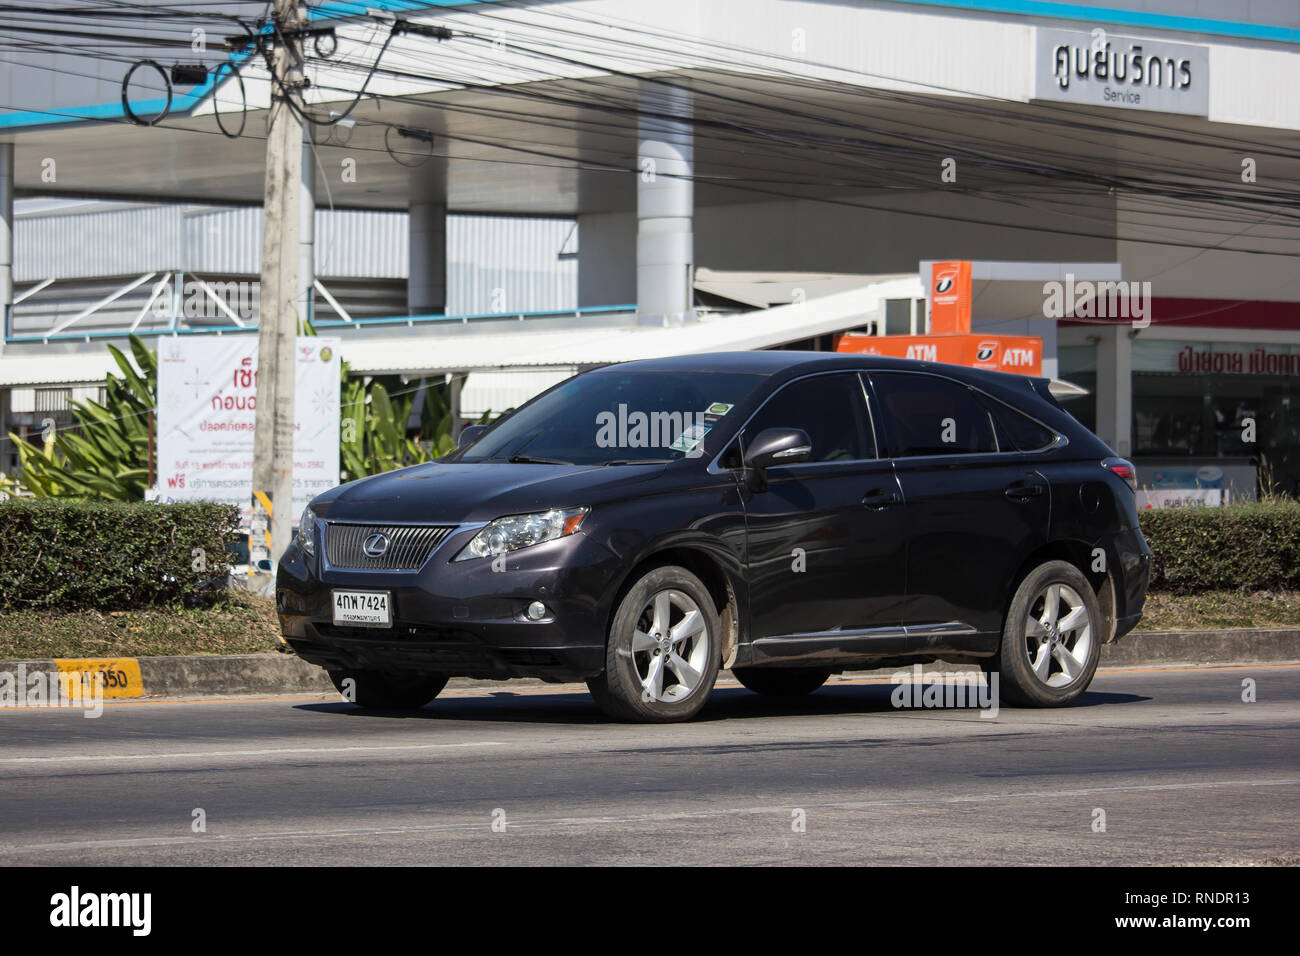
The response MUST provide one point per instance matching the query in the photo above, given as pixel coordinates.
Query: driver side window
(830, 408)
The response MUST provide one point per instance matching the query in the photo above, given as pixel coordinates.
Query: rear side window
(1017, 432)
(928, 415)
(830, 408)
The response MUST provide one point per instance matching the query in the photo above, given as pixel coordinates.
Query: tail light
(1124, 469)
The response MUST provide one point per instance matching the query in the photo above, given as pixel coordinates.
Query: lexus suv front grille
(382, 547)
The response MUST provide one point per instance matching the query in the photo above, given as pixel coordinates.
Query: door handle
(878, 499)
(1023, 491)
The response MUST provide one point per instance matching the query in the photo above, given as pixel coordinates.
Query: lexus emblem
(375, 544)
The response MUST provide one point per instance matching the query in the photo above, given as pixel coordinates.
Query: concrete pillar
(665, 205)
(1115, 388)
(305, 302)
(6, 234)
(426, 283)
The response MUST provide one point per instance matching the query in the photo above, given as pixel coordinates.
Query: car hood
(456, 493)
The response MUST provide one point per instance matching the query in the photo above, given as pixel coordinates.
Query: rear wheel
(1051, 639)
(375, 690)
(663, 651)
(781, 681)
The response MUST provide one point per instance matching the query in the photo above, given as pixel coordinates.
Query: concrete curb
(267, 674)
(1225, 646)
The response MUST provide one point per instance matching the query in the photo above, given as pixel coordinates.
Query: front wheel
(374, 690)
(663, 651)
(1051, 639)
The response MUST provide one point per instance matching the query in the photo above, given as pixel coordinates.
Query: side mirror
(778, 446)
(470, 434)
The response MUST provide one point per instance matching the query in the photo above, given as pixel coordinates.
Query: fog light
(536, 611)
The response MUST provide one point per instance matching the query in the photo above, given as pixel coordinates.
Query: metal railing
(208, 329)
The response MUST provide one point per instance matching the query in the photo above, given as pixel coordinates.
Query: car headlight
(522, 531)
(307, 532)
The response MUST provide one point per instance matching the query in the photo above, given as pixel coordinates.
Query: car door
(826, 541)
(974, 507)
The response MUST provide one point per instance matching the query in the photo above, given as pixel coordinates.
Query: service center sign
(207, 389)
(1101, 69)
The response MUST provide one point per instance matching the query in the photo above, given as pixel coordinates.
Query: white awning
(433, 351)
(431, 354)
(55, 369)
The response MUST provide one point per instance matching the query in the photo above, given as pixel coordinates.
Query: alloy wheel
(1058, 635)
(670, 648)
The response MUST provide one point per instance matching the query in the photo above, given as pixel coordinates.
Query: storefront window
(1219, 401)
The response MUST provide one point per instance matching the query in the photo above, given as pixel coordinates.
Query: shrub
(1251, 547)
(111, 556)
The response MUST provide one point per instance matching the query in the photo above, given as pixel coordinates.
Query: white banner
(207, 400)
(1181, 498)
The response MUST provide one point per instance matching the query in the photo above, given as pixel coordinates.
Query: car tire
(781, 681)
(666, 615)
(1051, 639)
(374, 690)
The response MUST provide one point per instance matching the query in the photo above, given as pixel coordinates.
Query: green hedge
(1250, 547)
(111, 556)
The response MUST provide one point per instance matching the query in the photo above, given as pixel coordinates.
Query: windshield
(617, 417)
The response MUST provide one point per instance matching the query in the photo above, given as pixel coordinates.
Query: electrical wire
(620, 107)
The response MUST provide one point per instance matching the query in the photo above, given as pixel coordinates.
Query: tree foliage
(106, 456)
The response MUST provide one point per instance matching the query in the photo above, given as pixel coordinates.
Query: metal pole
(6, 235)
(307, 231)
(277, 325)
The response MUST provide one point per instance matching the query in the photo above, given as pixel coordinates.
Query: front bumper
(460, 618)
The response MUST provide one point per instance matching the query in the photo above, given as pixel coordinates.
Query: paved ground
(1184, 770)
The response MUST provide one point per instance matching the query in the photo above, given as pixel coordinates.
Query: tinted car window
(617, 415)
(928, 415)
(1016, 431)
(830, 408)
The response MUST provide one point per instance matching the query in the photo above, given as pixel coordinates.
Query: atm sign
(1021, 354)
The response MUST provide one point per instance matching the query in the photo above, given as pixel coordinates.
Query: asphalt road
(1185, 771)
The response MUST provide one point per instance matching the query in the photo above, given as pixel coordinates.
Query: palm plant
(106, 457)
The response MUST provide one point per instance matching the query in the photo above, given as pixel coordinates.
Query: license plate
(366, 608)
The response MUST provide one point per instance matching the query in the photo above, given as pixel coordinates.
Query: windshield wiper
(528, 460)
(637, 461)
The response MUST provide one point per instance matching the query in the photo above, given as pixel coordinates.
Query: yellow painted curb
(119, 677)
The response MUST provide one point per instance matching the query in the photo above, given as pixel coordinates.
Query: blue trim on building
(1050, 9)
(184, 102)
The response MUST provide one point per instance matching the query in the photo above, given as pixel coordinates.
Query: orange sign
(1001, 353)
(950, 297)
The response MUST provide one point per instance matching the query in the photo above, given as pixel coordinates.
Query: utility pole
(273, 428)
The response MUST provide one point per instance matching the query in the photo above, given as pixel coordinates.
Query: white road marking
(776, 807)
(197, 754)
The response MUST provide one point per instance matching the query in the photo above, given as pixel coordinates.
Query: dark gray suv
(787, 515)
